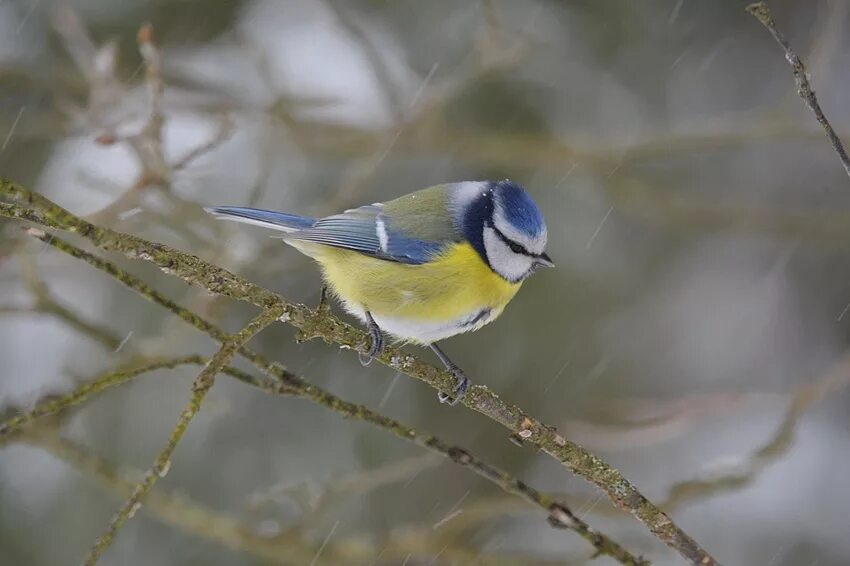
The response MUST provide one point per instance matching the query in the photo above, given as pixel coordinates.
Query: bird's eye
(516, 248)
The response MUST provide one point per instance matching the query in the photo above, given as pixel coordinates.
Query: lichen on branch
(314, 323)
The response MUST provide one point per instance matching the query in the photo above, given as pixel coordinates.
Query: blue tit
(425, 266)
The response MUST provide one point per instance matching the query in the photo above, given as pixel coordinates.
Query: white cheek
(510, 265)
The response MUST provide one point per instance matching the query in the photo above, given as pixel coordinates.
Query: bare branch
(45, 303)
(177, 510)
(762, 13)
(147, 144)
(54, 404)
(315, 324)
(337, 489)
(153, 67)
(222, 134)
(745, 471)
(380, 70)
(202, 385)
(171, 508)
(15, 309)
(287, 383)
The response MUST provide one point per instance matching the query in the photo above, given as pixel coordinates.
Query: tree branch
(202, 385)
(171, 508)
(314, 324)
(762, 13)
(53, 404)
(45, 303)
(179, 511)
(287, 383)
(747, 469)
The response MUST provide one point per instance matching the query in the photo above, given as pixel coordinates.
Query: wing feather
(411, 229)
(362, 229)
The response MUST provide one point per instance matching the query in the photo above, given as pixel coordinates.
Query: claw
(462, 381)
(459, 390)
(377, 337)
(365, 359)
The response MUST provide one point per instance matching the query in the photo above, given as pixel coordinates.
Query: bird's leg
(323, 305)
(377, 340)
(462, 381)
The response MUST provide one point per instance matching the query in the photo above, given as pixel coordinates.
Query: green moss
(319, 323)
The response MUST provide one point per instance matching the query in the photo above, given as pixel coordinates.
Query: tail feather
(266, 218)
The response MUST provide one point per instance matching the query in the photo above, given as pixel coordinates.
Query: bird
(422, 267)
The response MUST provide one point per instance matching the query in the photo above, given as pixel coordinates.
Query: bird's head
(505, 226)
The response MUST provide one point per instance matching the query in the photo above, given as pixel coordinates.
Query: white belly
(425, 331)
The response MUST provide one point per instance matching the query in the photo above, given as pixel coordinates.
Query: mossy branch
(291, 546)
(171, 508)
(202, 385)
(286, 383)
(560, 516)
(27, 205)
(54, 404)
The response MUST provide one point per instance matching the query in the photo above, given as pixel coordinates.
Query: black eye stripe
(515, 247)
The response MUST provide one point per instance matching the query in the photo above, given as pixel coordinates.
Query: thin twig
(733, 474)
(762, 13)
(380, 70)
(746, 470)
(153, 67)
(559, 514)
(172, 509)
(203, 383)
(179, 511)
(54, 404)
(355, 484)
(315, 324)
(265, 161)
(182, 513)
(106, 92)
(223, 133)
(15, 309)
(45, 303)
(148, 144)
(287, 383)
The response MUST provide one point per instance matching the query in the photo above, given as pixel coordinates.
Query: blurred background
(695, 333)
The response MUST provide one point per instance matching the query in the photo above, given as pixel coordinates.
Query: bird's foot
(461, 381)
(461, 385)
(377, 337)
(324, 305)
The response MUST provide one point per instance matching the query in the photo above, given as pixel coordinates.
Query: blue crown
(518, 208)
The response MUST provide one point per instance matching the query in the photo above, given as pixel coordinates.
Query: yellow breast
(421, 303)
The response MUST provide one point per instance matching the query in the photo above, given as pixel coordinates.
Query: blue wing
(271, 219)
(367, 230)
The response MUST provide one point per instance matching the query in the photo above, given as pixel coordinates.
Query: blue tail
(265, 218)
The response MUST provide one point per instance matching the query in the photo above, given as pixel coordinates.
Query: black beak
(543, 260)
